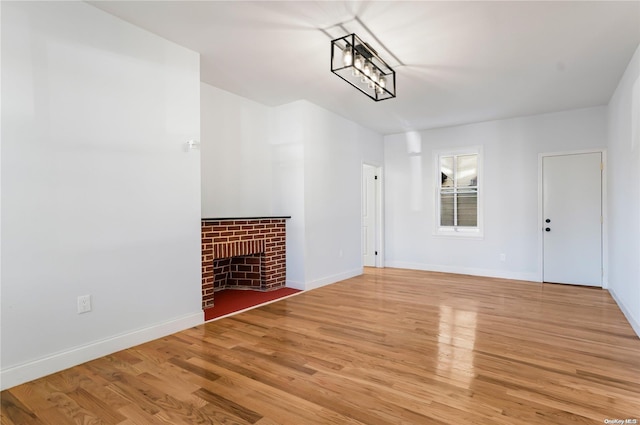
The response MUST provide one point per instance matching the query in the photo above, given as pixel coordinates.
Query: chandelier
(359, 65)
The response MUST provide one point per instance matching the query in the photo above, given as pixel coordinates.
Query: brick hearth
(242, 253)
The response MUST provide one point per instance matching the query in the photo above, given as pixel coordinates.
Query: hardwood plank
(196, 370)
(99, 388)
(177, 393)
(75, 412)
(228, 406)
(98, 407)
(277, 405)
(137, 416)
(34, 395)
(13, 411)
(391, 346)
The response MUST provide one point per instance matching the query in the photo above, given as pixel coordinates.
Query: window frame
(476, 232)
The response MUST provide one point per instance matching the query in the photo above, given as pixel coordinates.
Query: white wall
(287, 139)
(236, 155)
(624, 193)
(334, 151)
(99, 196)
(317, 164)
(510, 159)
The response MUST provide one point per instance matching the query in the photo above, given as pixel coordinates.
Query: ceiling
(457, 62)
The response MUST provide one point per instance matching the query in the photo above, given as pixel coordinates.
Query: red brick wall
(246, 272)
(258, 246)
(221, 270)
(237, 272)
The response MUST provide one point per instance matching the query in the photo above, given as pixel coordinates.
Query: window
(458, 193)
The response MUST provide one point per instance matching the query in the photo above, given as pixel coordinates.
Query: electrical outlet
(503, 257)
(84, 304)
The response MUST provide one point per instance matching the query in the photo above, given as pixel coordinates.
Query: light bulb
(347, 56)
(383, 82)
(358, 62)
(375, 75)
(367, 69)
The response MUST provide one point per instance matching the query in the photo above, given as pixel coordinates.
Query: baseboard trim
(627, 314)
(501, 274)
(39, 368)
(334, 278)
(295, 285)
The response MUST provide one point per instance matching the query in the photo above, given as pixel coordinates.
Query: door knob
(547, 229)
(547, 221)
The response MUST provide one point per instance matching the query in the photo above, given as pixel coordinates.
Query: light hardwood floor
(389, 347)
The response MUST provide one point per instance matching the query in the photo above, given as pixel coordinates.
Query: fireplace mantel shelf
(266, 217)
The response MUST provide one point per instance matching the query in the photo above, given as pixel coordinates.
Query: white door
(572, 218)
(369, 215)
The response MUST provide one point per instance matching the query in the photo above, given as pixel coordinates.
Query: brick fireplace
(242, 253)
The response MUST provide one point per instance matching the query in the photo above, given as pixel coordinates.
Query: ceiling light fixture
(359, 65)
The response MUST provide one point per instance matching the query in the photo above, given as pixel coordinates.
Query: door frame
(379, 211)
(539, 225)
